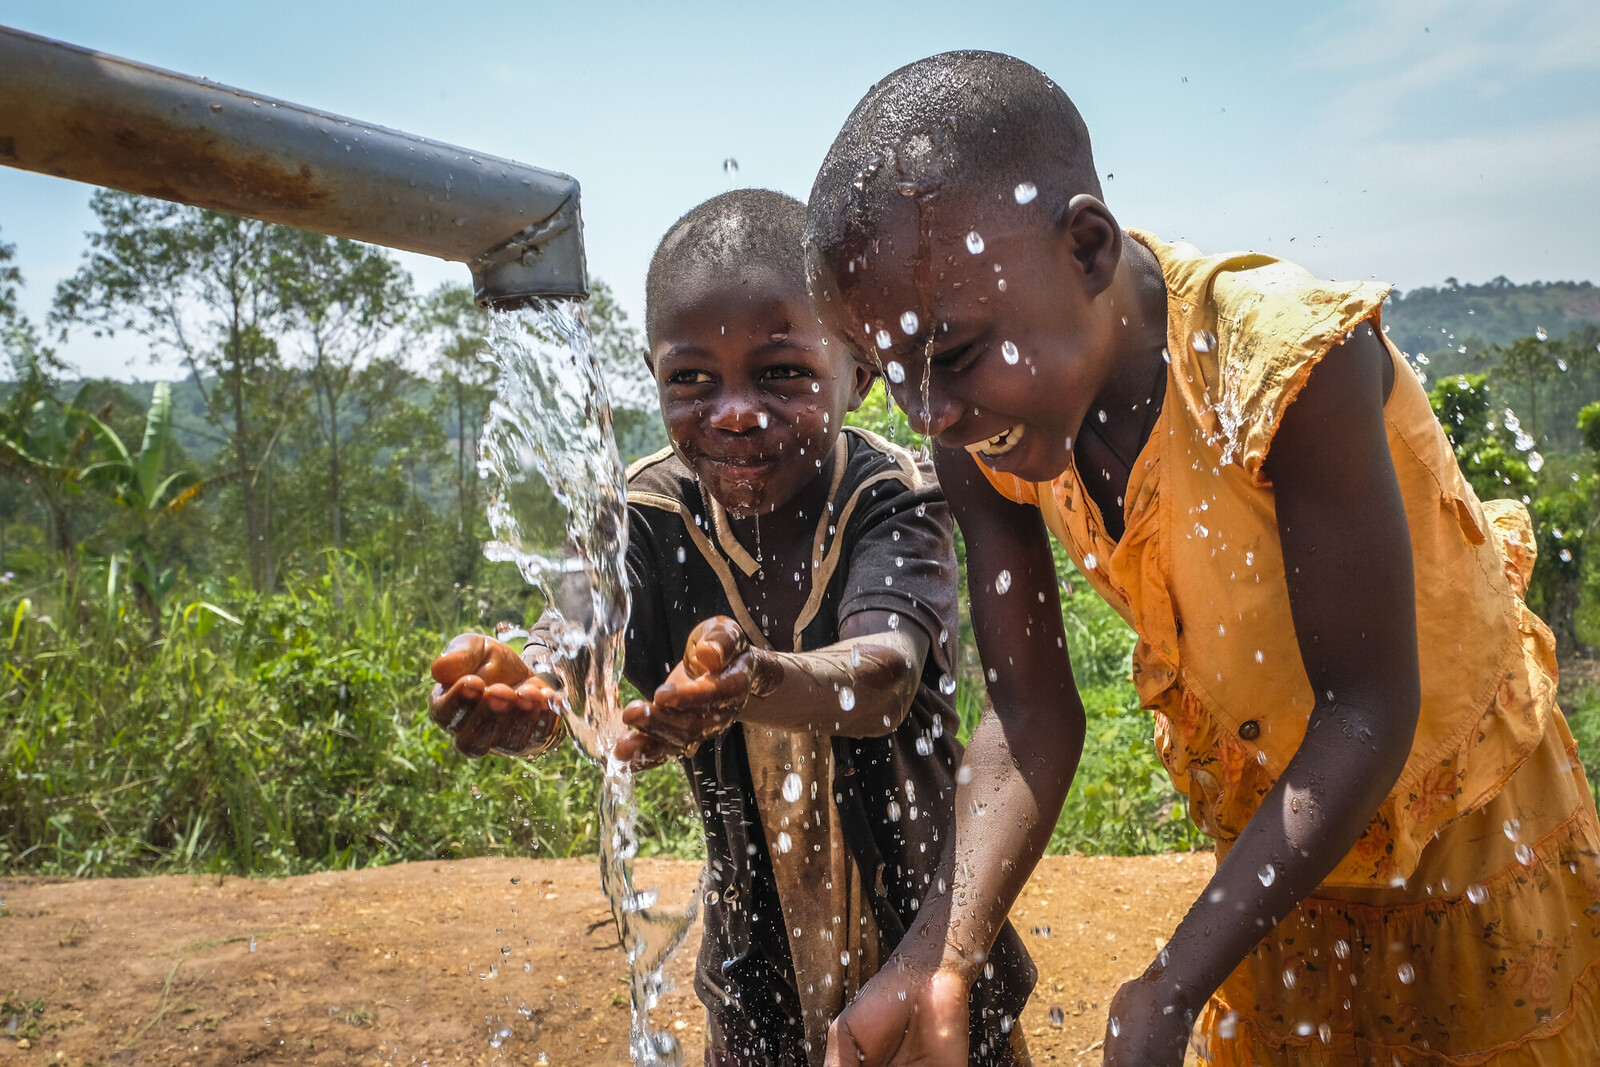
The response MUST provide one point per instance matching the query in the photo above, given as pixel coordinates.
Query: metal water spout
(95, 118)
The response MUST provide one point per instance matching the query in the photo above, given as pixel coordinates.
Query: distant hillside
(1430, 320)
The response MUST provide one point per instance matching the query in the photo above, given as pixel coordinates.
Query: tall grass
(285, 734)
(280, 735)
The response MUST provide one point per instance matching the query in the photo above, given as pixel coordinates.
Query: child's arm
(723, 679)
(1021, 762)
(1347, 556)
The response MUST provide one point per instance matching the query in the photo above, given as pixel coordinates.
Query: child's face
(1007, 346)
(753, 389)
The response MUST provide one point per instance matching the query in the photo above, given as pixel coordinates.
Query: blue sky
(1405, 141)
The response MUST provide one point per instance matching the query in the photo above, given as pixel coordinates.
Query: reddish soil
(425, 962)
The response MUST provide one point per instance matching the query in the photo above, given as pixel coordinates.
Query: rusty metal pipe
(95, 118)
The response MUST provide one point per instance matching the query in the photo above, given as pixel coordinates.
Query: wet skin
(753, 393)
(1085, 308)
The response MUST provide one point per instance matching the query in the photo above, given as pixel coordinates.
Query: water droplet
(947, 684)
(908, 322)
(682, 555)
(1009, 353)
(816, 387)
(847, 697)
(1057, 1016)
(895, 371)
(964, 775)
(730, 167)
(1089, 561)
(883, 339)
(1524, 854)
(791, 787)
(894, 811)
(785, 842)
(1115, 1026)
(1341, 948)
(1267, 874)
(1535, 462)
(1477, 894)
(1002, 583)
(1025, 192)
(1259, 657)
(924, 745)
(1203, 340)
(1542, 334)
(1566, 556)
(252, 944)
(974, 242)
(1289, 978)
(761, 419)
(1512, 828)
(1406, 973)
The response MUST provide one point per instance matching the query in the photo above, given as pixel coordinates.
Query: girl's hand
(1148, 1025)
(700, 699)
(490, 700)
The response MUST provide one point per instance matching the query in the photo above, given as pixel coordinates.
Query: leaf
(157, 436)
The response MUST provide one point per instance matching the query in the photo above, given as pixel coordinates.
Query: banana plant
(140, 483)
(43, 444)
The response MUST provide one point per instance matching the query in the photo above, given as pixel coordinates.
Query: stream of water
(549, 430)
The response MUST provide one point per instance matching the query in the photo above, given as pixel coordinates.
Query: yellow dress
(1464, 926)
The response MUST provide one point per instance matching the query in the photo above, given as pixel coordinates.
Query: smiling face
(997, 330)
(753, 389)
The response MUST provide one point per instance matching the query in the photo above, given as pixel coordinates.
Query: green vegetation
(281, 735)
(218, 596)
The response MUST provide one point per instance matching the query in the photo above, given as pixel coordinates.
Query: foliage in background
(282, 736)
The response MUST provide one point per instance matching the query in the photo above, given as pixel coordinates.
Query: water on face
(549, 432)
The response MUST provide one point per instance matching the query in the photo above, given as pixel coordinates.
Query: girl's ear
(1090, 235)
(862, 385)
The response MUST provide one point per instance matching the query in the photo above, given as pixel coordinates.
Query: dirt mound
(484, 961)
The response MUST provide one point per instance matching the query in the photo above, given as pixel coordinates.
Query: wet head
(956, 236)
(753, 388)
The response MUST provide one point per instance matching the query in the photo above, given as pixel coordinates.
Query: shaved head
(728, 239)
(962, 128)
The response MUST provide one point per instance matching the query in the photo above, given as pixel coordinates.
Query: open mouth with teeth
(999, 444)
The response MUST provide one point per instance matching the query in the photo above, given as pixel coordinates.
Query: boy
(1345, 680)
(807, 573)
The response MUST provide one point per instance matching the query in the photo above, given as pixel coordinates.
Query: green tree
(199, 285)
(457, 330)
(1530, 363)
(10, 279)
(345, 298)
(1487, 456)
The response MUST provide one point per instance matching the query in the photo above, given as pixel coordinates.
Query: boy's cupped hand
(700, 699)
(490, 700)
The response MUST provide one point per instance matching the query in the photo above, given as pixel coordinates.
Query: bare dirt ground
(483, 961)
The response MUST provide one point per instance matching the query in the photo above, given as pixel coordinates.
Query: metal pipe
(95, 118)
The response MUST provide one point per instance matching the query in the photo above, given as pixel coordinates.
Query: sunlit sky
(1406, 141)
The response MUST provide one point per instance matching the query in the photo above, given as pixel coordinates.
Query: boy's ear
(1090, 235)
(862, 384)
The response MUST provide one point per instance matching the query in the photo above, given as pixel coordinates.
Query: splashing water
(550, 426)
